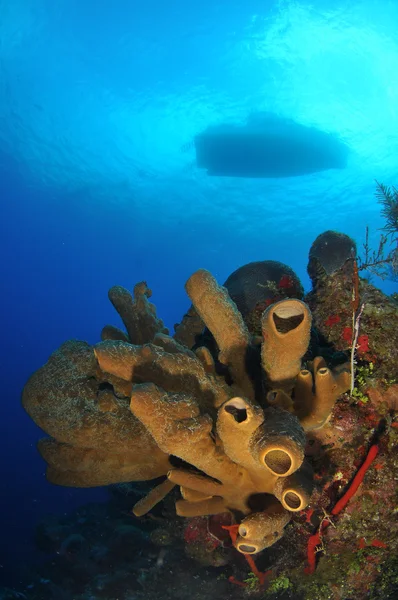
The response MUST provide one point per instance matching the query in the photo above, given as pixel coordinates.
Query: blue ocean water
(99, 106)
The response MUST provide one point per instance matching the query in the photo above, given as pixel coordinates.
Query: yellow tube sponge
(238, 468)
(286, 327)
(89, 424)
(175, 422)
(294, 492)
(174, 371)
(262, 529)
(221, 316)
(137, 313)
(157, 494)
(109, 332)
(316, 392)
(78, 466)
(224, 423)
(258, 439)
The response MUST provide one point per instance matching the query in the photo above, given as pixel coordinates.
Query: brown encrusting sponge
(127, 408)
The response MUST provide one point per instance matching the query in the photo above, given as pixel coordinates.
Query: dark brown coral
(331, 268)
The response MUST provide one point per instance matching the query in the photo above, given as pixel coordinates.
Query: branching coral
(388, 197)
(126, 408)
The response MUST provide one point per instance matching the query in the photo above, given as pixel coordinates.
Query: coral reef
(257, 285)
(252, 288)
(331, 268)
(241, 450)
(95, 440)
(243, 415)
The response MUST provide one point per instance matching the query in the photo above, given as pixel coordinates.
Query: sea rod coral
(228, 428)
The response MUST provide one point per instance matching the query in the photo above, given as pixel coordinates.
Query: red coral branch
(363, 344)
(315, 540)
(356, 482)
(375, 543)
(235, 581)
(233, 532)
(285, 282)
(378, 544)
(347, 334)
(332, 320)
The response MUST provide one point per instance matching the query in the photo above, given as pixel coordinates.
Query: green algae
(279, 584)
(386, 585)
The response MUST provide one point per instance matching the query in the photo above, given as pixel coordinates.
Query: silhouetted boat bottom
(268, 147)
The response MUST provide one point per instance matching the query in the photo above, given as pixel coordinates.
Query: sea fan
(388, 197)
